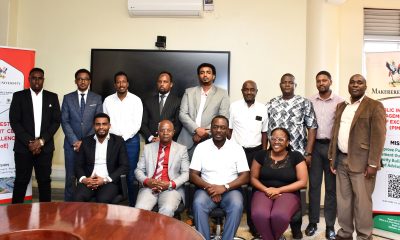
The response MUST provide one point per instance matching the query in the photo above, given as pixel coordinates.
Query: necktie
(82, 103)
(160, 163)
(162, 96)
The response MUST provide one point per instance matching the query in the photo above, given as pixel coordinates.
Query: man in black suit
(34, 117)
(161, 106)
(101, 159)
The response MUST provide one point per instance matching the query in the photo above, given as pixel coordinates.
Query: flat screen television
(143, 67)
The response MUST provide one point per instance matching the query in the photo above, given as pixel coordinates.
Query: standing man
(198, 107)
(125, 110)
(162, 170)
(324, 102)
(218, 169)
(77, 112)
(163, 105)
(248, 126)
(100, 162)
(296, 114)
(34, 118)
(355, 151)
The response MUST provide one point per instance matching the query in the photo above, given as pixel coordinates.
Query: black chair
(296, 221)
(217, 214)
(121, 197)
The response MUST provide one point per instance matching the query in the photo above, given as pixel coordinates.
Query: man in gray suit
(77, 112)
(198, 107)
(162, 170)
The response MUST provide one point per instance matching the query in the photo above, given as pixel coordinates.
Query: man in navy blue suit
(34, 118)
(77, 112)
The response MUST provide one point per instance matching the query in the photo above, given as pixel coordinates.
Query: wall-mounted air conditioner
(165, 8)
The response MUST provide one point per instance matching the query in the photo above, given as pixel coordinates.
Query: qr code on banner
(393, 186)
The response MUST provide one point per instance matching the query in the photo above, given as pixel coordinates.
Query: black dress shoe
(330, 233)
(311, 229)
(297, 235)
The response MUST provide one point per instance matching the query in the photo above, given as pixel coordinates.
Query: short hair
(120, 73)
(220, 116)
(168, 73)
(326, 73)
(289, 147)
(207, 65)
(36, 69)
(287, 75)
(101, 115)
(82, 70)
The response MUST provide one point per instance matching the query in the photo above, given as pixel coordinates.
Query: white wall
(266, 39)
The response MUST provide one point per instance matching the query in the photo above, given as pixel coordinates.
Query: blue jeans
(231, 203)
(132, 148)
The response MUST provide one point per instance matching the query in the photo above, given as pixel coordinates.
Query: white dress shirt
(125, 115)
(219, 166)
(100, 160)
(80, 96)
(248, 123)
(345, 124)
(37, 102)
(203, 99)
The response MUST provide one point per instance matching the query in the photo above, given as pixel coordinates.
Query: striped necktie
(162, 96)
(160, 163)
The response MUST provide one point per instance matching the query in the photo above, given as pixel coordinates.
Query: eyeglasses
(279, 140)
(83, 79)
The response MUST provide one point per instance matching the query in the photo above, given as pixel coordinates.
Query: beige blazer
(178, 164)
(366, 138)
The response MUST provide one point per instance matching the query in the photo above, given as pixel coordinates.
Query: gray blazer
(217, 103)
(178, 164)
(74, 125)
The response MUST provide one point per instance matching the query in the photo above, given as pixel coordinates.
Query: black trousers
(24, 163)
(319, 167)
(104, 194)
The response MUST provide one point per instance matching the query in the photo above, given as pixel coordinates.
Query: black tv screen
(143, 67)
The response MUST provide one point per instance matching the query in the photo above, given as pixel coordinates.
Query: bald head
(249, 91)
(166, 131)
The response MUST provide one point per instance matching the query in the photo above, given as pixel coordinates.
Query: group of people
(215, 145)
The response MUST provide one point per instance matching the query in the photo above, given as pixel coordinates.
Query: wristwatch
(170, 186)
(306, 154)
(105, 180)
(227, 187)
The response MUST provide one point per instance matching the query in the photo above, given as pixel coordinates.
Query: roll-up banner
(383, 81)
(15, 65)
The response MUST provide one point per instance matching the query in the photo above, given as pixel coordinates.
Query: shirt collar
(33, 92)
(85, 92)
(167, 146)
(358, 101)
(326, 99)
(165, 94)
(107, 138)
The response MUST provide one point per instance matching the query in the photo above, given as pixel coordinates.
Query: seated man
(162, 170)
(218, 168)
(101, 159)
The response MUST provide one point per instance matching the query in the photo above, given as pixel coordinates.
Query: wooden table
(89, 221)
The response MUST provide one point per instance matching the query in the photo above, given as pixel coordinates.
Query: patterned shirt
(296, 115)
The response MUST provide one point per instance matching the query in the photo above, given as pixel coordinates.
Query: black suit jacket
(117, 158)
(23, 124)
(151, 115)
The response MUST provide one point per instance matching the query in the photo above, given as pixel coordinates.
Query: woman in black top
(277, 175)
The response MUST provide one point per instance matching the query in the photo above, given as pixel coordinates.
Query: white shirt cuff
(80, 179)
